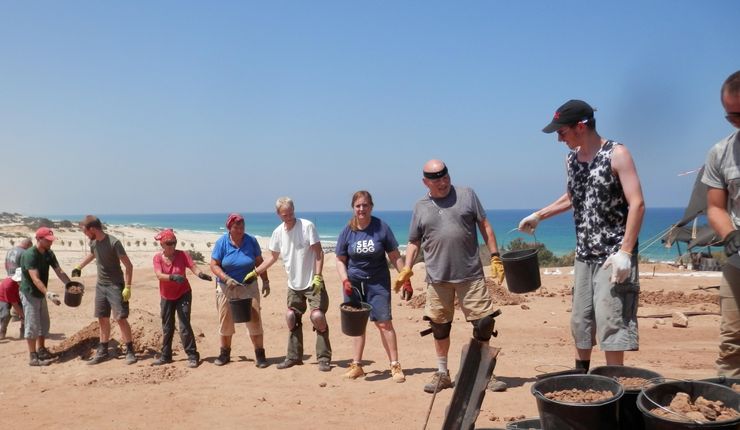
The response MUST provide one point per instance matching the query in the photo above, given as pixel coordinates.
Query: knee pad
(483, 328)
(293, 319)
(441, 331)
(318, 319)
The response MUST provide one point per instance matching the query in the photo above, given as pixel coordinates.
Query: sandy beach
(534, 337)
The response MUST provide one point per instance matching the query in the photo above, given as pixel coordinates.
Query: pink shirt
(9, 291)
(171, 290)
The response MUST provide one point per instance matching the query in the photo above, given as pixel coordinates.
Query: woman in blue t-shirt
(361, 263)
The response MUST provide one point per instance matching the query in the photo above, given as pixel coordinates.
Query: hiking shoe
(193, 362)
(224, 357)
(324, 366)
(161, 360)
(287, 363)
(100, 356)
(34, 361)
(260, 360)
(131, 357)
(44, 353)
(396, 373)
(439, 382)
(355, 371)
(497, 386)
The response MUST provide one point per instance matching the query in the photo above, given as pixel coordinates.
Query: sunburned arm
(624, 167)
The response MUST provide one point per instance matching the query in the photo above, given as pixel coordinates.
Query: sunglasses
(565, 129)
(732, 116)
(171, 243)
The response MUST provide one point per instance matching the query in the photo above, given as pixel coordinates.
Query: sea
(557, 233)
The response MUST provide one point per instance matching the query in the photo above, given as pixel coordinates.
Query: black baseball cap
(568, 114)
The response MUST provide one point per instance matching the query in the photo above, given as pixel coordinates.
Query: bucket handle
(357, 304)
(533, 236)
(671, 411)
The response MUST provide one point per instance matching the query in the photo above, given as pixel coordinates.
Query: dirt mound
(499, 294)
(146, 330)
(658, 298)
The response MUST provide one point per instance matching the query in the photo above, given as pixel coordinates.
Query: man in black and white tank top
(604, 191)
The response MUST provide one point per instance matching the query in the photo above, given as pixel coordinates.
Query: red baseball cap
(232, 219)
(45, 233)
(165, 235)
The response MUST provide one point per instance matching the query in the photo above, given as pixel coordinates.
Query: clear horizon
(183, 107)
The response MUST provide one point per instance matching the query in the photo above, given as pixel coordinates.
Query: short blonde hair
(284, 202)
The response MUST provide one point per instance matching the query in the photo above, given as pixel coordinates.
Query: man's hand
(177, 278)
(497, 269)
(621, 263)
(251, 276)
(231, 282)
(403, 276)
(408, 291)
(732, 243)
(126, 293)
(347, 287)
(317, 283)
(529, 223)
(265, 288)
(77, 272)
(54, 297)
(205, 276)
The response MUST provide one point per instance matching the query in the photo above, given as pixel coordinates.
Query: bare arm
(267, 262)
(560, 205)
(129, 268)
(396, 260)
(217, 270)
(411, 250)
(717, 214)
(489, 237)
(624, 167)
(61, 275)
(342, 268)
(258, 261)
(88, 258)
(34, 274)
(318, 263)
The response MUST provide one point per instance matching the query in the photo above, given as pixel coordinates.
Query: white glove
(621, 263)
(529, 223)
(54, 297)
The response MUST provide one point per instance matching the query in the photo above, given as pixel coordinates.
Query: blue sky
(176, 106)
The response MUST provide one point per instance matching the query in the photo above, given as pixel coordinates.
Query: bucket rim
(363, 305)
(675, 382)
(521, 254)
(71, 284)
(653, 378)
(618, 395)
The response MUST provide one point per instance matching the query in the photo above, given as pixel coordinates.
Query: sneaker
(193, 362)
(44, 353)
(131, 357)
(100, 356)
(397, 374)
(355, 371)
(439, 382)
(161, 360)
(34, 361)
(497, 386)
(324, 366)
(287, 363)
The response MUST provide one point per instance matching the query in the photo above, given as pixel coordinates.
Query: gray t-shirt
(722, 170)
(449, 240)
(107, 257)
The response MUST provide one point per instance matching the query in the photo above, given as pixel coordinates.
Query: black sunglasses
(171, 243)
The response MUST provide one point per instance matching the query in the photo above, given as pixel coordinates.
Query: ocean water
(556, 233)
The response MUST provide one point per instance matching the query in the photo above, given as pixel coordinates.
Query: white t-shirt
(295, 249)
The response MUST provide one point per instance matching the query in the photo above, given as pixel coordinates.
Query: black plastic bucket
(241, 310)
(560, 373)
(73, 299)
(630, 418)
(528, 424)
(723, 380)
(354, 321)
(663, 393)
(556, 415)
(522, 270)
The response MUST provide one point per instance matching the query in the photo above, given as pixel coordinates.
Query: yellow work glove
(126, 293)
(497, 269)
(317, 283)
(403, 276)
(251, 276)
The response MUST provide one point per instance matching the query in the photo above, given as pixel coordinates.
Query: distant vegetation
(196, 256)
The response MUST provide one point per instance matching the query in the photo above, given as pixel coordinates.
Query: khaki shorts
(225, 323)
(473, 296)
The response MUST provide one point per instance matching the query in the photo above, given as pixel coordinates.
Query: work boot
(396, 373)
(44, 353)
(259, 358)
(287, 363)
(224, 357)
(35, 361)
(355, 371)
(439, 382)
(100, 355)
(324, 365)
(497, 386)
(162, 360)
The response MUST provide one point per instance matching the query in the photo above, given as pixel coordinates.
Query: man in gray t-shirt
(113, 288)
(13, 257)
(722, 175)
(443, 226)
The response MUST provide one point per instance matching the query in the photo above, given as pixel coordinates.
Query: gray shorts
(603, 312)
(109, 297)
(36, 312)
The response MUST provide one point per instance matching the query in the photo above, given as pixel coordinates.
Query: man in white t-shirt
(297, 242)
